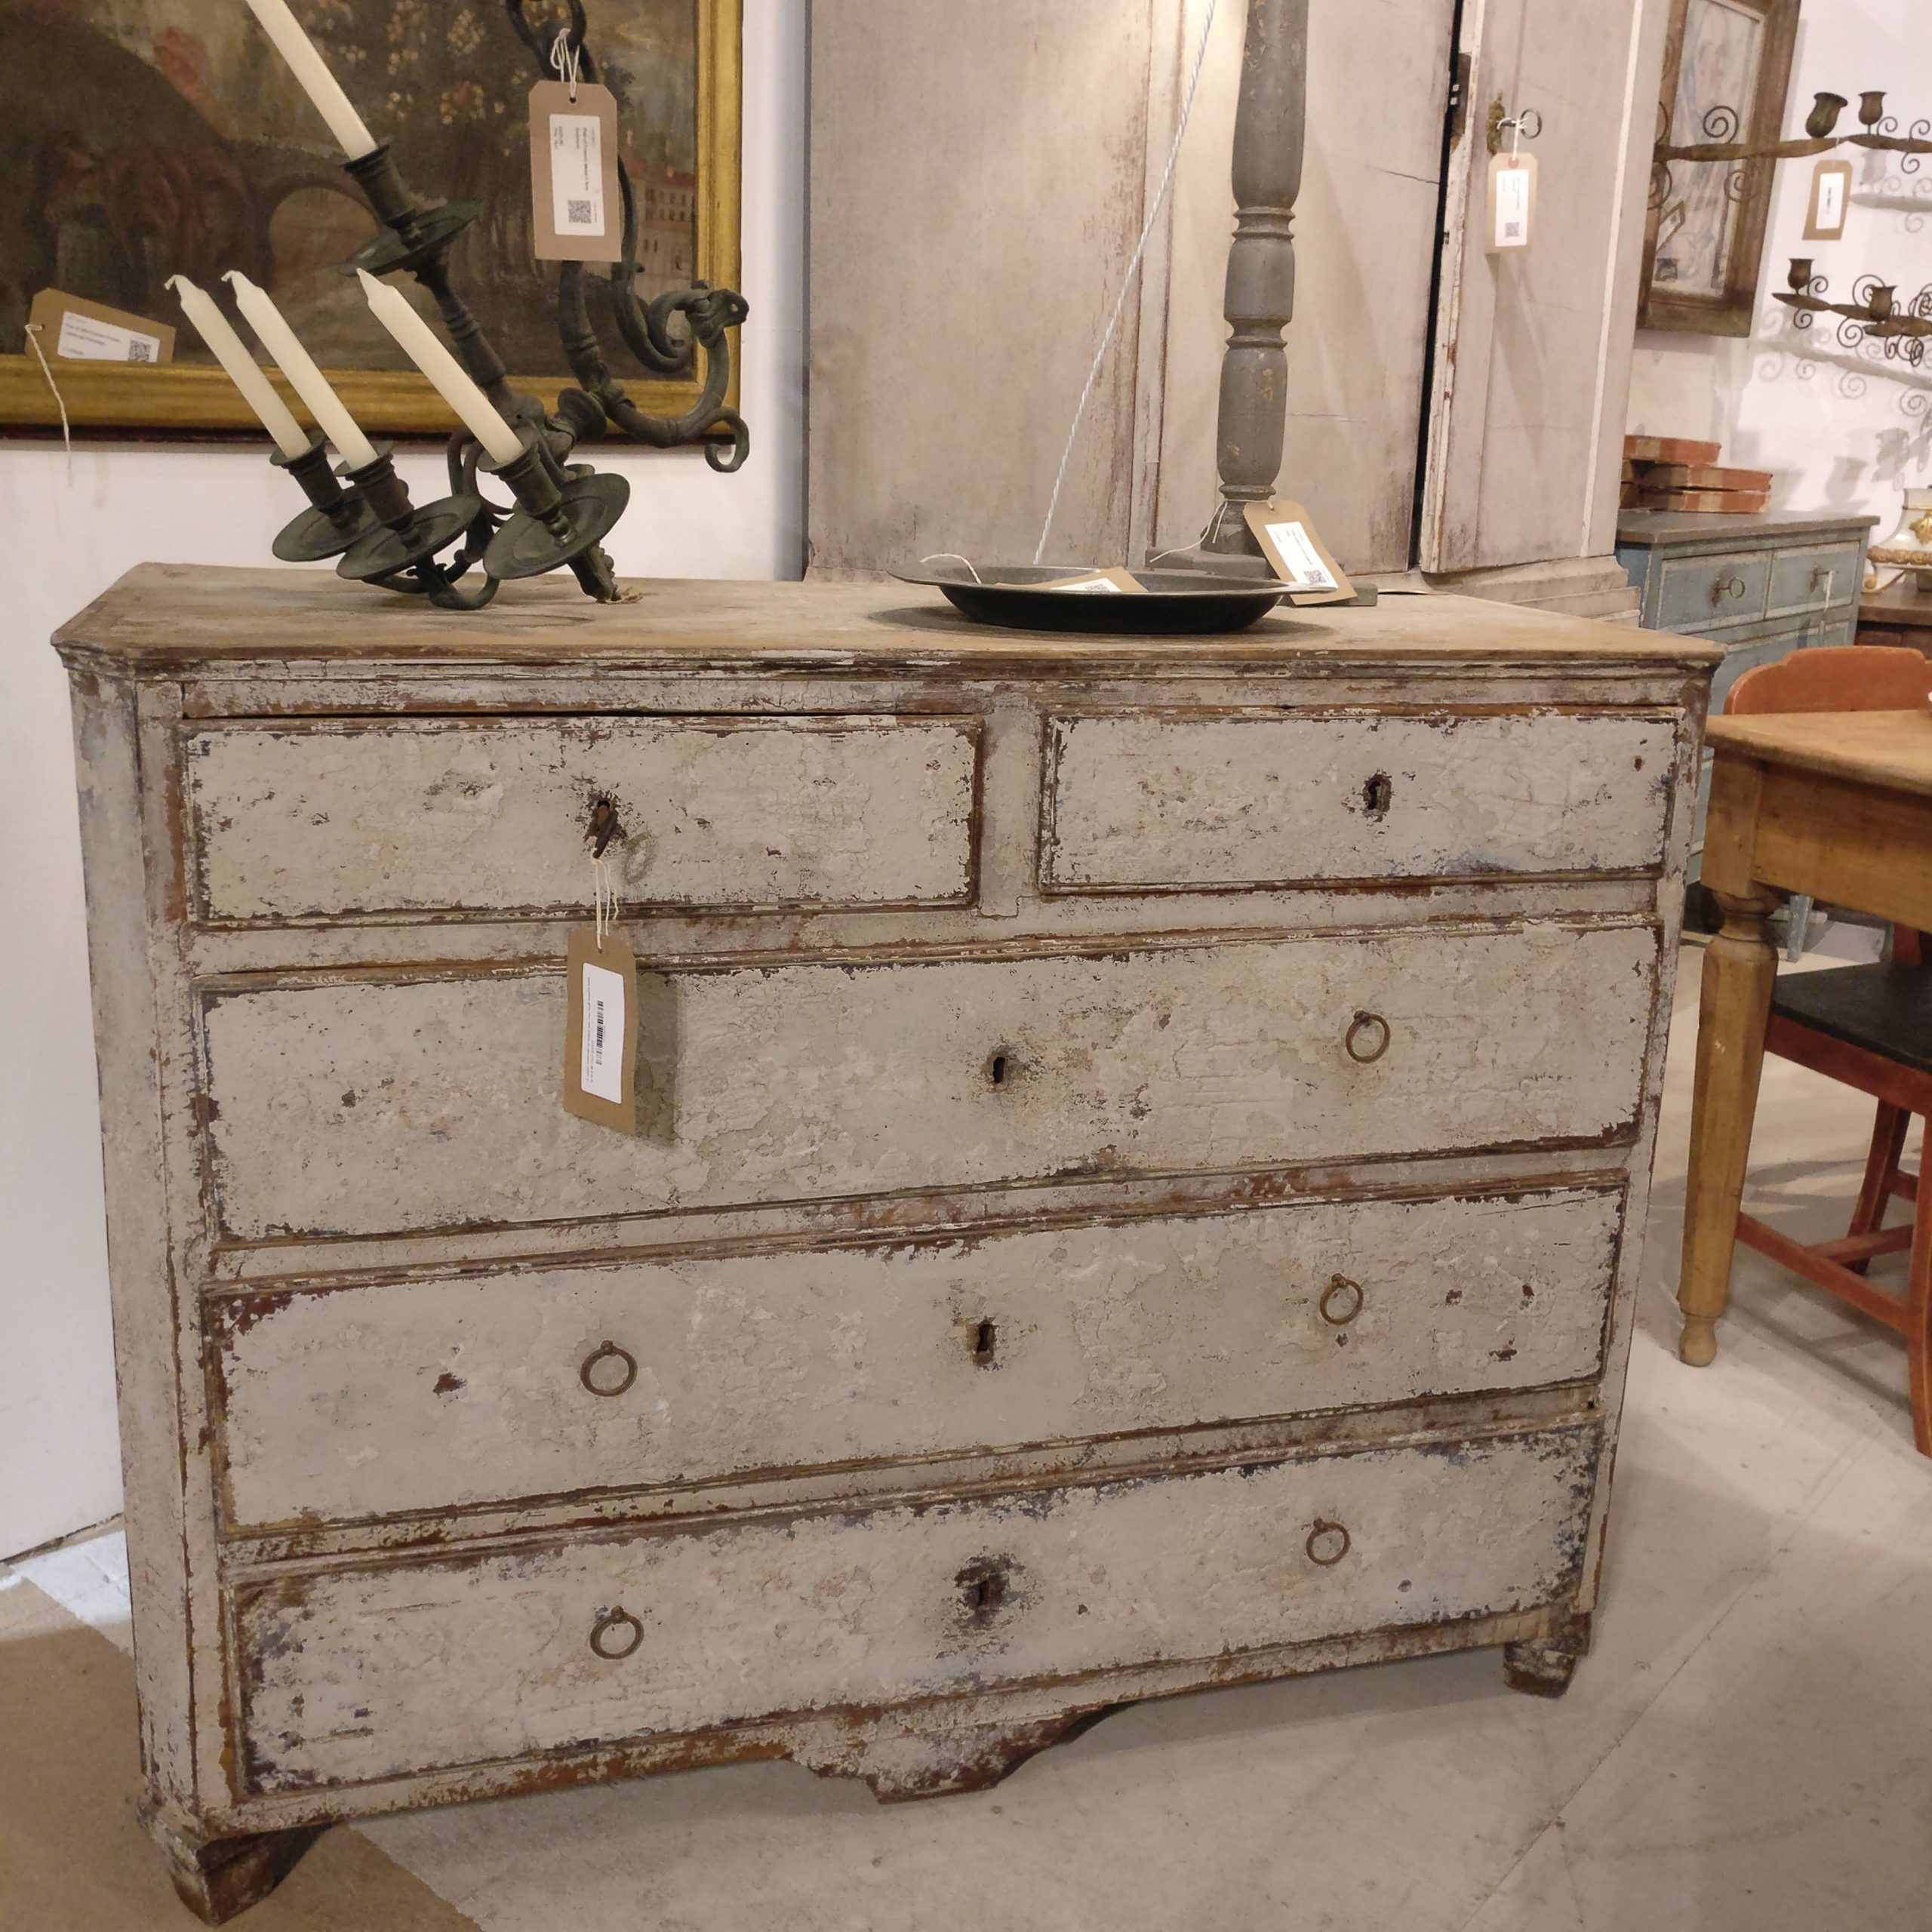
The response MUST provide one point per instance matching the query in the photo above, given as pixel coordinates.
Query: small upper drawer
(1820, 578)
(409, 816)
(348, 1404)
(394, 1103)
(367, 1672)
(1696, 593)
(1173, 803)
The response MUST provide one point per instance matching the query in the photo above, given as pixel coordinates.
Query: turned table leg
(1734, 1006)
(215, 1878)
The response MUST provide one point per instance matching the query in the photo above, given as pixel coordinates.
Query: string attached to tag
(60, 401)
(567, 63)
(604, 900)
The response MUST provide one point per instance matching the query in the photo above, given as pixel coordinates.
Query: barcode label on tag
(86, 339)
(601, 1071)
(1301, 563)
(1512, 207)
(576, 173)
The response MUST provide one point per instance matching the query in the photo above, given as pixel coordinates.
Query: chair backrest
(1835, 677)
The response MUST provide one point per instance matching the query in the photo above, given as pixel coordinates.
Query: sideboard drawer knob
(1341, 1301)
(1368, 1038)
(602, 1381)
(615, 1634)
(1328, 1543)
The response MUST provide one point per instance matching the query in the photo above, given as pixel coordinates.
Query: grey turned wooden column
(1269, 120)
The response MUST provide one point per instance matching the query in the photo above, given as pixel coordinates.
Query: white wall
(1839, 432)
(66, 534)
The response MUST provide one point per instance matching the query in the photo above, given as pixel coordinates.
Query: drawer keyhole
(985, 1339)
(1003, 1067)
(982, 1588)
(1376, 794)
(603, 829)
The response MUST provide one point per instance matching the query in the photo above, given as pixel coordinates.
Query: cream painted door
(1533, 349)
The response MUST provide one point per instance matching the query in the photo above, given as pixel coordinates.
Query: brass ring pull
(618, 1620)
(607, 1351)
(1366, 1039)
(1726, 586)
(1328, 1543)
(1341, 1301)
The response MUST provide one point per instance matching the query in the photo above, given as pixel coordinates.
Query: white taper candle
(212, 326)
(299, 366)
(322, 87)
(452, 382)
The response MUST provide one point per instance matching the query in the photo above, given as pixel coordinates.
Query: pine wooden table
(1835, 804)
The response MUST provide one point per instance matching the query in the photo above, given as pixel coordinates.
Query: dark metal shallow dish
(1178, 603)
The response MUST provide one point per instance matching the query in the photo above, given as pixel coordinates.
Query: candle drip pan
(1177, 603)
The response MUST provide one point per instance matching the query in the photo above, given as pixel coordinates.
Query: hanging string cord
(1127, 281)
(66, 433)
(567, 62)
(605, 901)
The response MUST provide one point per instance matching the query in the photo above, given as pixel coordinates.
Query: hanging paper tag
(1102, 583)
(1299, 557)
(600, 1033)
(576, 212)
(1512, 202)
(1830, 198)
(83, 331)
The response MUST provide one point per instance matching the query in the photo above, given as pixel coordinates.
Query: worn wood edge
(871, 1743)
(1448, 1427)
(1872, 751)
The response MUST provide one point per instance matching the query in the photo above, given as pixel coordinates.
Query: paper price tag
(1512, 203)
(600, 1031)
(82, 331)
(1299, 557)
(1831, 199)
(576, 211)
(1102, 584)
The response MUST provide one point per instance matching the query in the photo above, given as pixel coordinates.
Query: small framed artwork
(1831, 199)
(1726, 68)
(149, 138)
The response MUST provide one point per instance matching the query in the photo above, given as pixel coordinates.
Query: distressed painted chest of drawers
(1141, 1157)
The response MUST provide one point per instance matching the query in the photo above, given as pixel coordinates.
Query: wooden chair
(1868, 1026)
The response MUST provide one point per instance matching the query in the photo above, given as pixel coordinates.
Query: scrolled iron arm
(707, 314)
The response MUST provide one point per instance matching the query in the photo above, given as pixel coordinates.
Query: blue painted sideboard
(1760, 586)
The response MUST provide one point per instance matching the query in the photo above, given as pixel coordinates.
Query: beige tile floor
(1749, 1748)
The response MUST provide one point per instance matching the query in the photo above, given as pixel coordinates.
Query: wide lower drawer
(353, 1403)
(363, 1105)
(355, 1674)
(1176, 802)
(409, 816)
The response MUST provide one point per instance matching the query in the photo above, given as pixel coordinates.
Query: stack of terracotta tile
(1674, 473)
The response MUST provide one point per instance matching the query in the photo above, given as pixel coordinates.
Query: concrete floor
(1748, 1746)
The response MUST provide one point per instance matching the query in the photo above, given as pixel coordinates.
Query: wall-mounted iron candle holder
(563, 510)
(1878, 129)
(1873, 313)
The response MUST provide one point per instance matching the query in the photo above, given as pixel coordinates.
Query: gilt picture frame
(142, 138)
(1727, 69)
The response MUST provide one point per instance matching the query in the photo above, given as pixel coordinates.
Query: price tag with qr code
(1512, 204)
(76, 329)
(576, 212)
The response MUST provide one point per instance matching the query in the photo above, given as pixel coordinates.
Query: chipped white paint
(362, 1402)
(412, 815)
(1179, 801)
(363, 1673)
(359, 1108)
(1120, 1125)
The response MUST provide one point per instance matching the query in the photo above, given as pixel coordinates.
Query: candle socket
(402, 538)
(557, 523)
(418, 237)
(336, 519)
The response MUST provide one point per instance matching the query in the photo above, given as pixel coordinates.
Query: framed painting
(1727, 65)
(140, 139)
